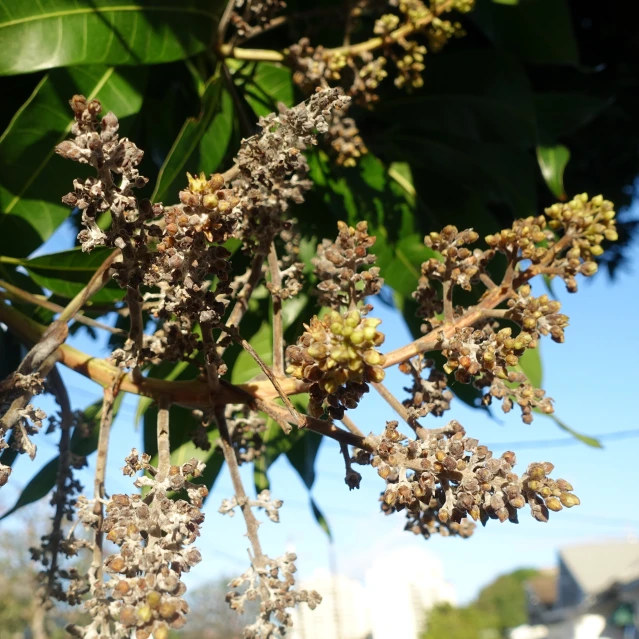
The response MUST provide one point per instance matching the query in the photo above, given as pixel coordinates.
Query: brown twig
(243, 297)
(278, 327)
(106, 419)
(13, 292)
(348, 422)
(400, 409)
(164, 447)
(240, 494)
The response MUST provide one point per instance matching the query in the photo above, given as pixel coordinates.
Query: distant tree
(499, 606)
(505, 598)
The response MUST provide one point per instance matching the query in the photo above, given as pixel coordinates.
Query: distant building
(343, 613)
(402, 586)
(593, 594)
(399, 588)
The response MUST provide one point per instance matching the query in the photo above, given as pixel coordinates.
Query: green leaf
(269, 85)
(321, 520)
(540, 31)
(552, 162)
(303, 454)
(561, 114)
(216, 138)
(586, 439)
(56, 33)
(246, 367)
(530, 365)
(43, 481)
(483, 96)
(185, 153)
(33, 178)
(68, 272)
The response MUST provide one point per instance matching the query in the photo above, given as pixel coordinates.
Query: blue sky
(592, 379)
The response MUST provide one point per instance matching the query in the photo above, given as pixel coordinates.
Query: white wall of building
(399, 586)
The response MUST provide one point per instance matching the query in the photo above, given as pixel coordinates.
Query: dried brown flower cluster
(444, 478)
(144, 592)
(270, 582)
(341, 268)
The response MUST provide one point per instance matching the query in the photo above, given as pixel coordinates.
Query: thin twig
(164, 447)
(243, 297)
(267, 371)
(240, 494)
(13, 292)
(106, 419)
(266, 55)
(97, 282)
(348, 422)
(278, 326)
(400, 409)
(64, 464)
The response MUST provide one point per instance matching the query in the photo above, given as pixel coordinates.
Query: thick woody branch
(265, 55)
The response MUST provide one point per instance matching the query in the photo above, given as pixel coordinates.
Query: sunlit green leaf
(55, 33)
(552, 162)
(33, 178)
(185, 155)
(68, 272)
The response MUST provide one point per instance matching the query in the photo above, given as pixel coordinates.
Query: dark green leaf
(55, 33)
(33, 178)
(216, 138)
(67, 273)
(475, 95)
(37, 488)
(540, 31)
(560, 114)
(303, 454)
(321, 520)
(269, 85)
(552, 162)
(185, 154)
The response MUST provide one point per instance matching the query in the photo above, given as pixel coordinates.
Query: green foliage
(499, 606)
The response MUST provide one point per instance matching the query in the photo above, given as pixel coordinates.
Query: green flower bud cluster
(410, 65)
(337, 355)
(589, 222)
(447, 481)
(586, 222)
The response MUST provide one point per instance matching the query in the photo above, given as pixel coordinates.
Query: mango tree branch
(267, 55)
